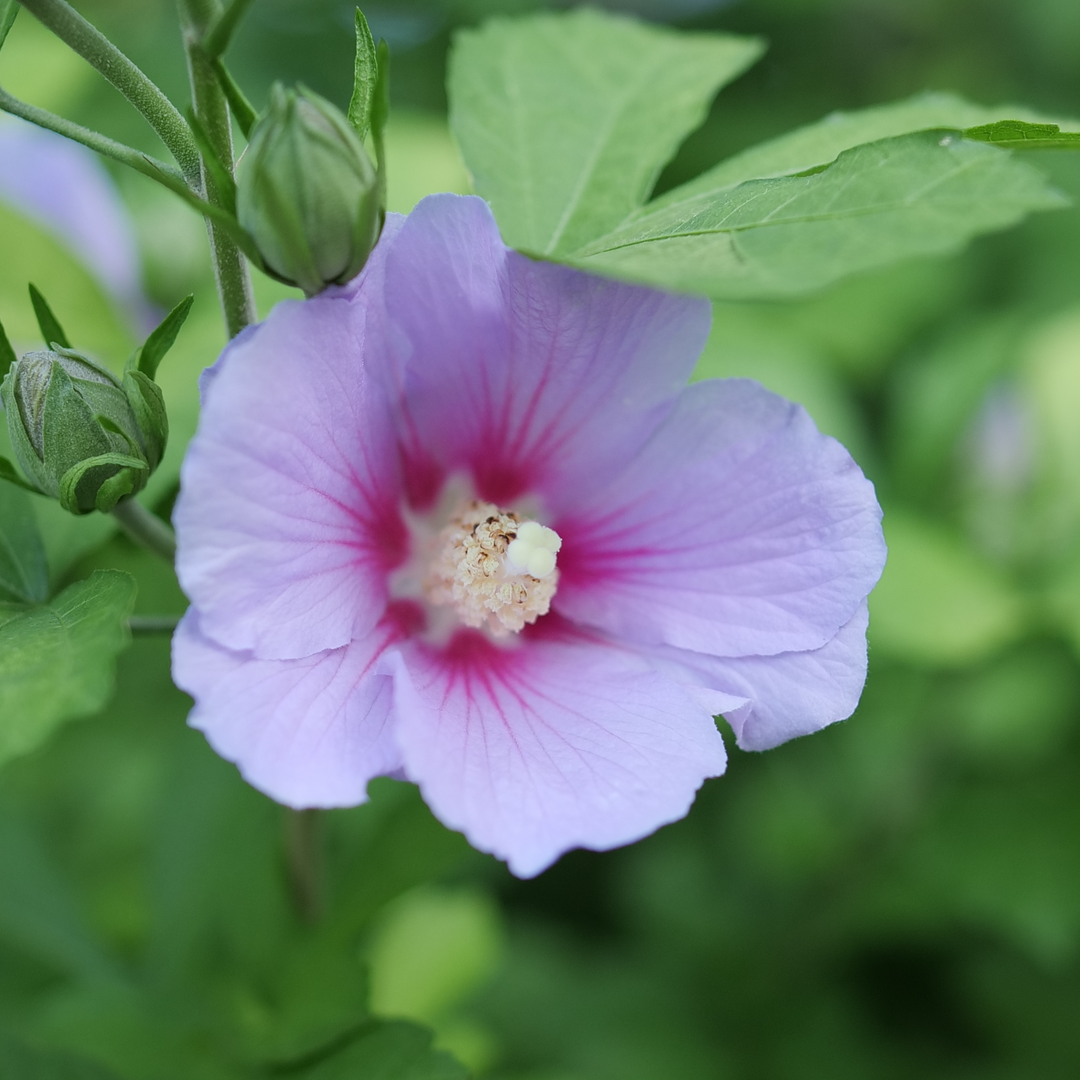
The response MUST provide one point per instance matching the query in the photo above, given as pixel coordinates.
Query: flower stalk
(211, 110)
(146, 528)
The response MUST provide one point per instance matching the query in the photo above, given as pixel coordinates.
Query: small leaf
(162, 339)
(57, 662)
(8, 10)
(365, 78)
(148, 404)
(565, 120)
(24, 574)
(242, 109)
(1021, 135)
(927, 193)
(7, 353)
(386, 1050)
(51, 330)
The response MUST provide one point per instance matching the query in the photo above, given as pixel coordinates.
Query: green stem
(212, 110)
(146, 528)
(146, 164)
(160, 171)
(223, 27)
(68, 25)
(303, 862)
(152, 625)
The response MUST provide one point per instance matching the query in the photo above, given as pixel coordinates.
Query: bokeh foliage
(896, 896)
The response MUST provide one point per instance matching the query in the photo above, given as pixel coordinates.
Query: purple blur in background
(65, 189)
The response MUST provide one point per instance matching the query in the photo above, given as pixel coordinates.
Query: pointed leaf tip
(162, 339)
(51, 330)
(365, 78)
(7, 354)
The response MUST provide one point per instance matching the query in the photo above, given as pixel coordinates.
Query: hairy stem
(160, 113)
(135, 159)
(212, 110)
(146, 528)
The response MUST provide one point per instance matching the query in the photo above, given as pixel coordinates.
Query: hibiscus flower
(463, 522)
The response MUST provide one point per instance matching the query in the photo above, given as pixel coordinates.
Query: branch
(160, 113)
(212, 112)
(146, 164)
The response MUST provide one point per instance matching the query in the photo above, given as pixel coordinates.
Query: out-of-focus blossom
(65, 189)
(463, 521)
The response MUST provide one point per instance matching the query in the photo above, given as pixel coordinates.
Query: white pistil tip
(533, 550)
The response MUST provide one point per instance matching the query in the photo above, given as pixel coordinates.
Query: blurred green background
(898, 896)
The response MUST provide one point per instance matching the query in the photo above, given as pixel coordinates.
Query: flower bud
(307, 192)
(79, 433)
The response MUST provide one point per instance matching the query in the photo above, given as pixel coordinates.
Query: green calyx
(308, 192)
(82, 435)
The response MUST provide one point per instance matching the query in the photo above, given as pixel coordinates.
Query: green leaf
(939, 604)
(51, 330)
(18, 1060)
(565, 121)
(8, 10)
(242, 109)
(820, 143)
(922, 194)
(161, 340)
(24, 574)
(365, 77)
(387, 1050)
(57, 662)
(7, 353)
(148, 404)
(1021, 135)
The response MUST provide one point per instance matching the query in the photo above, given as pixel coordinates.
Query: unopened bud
(79, 433)
(307, 192)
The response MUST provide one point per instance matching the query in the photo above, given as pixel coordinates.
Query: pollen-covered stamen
(496, 570)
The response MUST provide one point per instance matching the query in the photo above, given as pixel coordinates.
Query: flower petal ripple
(360, 606)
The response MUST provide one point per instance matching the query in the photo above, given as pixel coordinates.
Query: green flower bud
(307, 192)
(79, 433)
